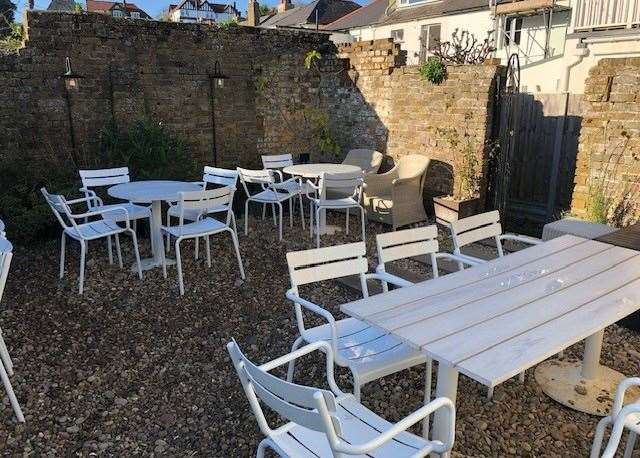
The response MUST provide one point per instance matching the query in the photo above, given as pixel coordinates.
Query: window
(429, 38)
(135, 15)
(512, 31)
(413, 2)
(118, 13)
(397, 35)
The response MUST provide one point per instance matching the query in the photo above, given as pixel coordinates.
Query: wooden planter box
(448, 210)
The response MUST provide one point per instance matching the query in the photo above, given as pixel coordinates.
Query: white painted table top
(315, 170)
(152, 190)
(495, 320)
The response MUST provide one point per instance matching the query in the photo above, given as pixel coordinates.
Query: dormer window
(118, 13)
(135, 15)
(415, 2)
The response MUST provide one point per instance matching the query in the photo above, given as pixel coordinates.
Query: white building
(557, 41)
(202, 11)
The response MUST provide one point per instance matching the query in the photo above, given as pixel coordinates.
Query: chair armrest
(521, 238)
(311, 186)
(619, 422)
(381, 275)
(322, 345)
(89, 194)
(102, 213)
(378, 183)
(403, 425)
(279, 173)
(315, 308)
(620, 392)
(80, 200)
(468, 260)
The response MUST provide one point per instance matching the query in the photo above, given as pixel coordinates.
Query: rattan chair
(367, 159)
(395, 197)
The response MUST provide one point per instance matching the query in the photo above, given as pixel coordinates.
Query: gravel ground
(132, 368)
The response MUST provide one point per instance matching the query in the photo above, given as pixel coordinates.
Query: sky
(152, 7)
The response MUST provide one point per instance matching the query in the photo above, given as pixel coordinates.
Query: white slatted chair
(203, 202)
(211, 176)
(94, 179)
(269, 193)
(329, 423)
(6, 365)
(105, 227)
(370, 353)
(343, 184)
(277, 162)
(2, 229)
(481, 227)
(421, 241)
(627, 417)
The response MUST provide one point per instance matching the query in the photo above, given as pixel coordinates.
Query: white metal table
(313, 172)
(153, 192)
(493, 321)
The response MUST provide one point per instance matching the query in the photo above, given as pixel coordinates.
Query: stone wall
(362, 94)
(609, 149)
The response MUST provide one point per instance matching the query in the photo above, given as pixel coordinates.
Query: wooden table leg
(447, 387)
(585, 385)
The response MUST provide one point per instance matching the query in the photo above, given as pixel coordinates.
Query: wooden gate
(537, 143)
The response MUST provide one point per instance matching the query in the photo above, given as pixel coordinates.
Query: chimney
(284, 5)
(253, 13)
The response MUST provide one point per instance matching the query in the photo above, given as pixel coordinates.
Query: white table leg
(157, 244)
(584, 385)
(447, 387)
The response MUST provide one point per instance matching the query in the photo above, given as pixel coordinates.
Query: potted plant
(465, 199)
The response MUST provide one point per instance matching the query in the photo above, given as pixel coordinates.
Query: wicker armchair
(367, 159)
(395, 197)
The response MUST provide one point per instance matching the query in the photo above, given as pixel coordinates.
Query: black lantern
(218, 77)
(71, 79)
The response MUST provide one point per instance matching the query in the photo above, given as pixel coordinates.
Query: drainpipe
(581, 51)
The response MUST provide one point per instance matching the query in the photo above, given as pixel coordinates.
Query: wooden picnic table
(493, 321)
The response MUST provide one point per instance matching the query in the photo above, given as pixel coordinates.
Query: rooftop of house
(215, 7)
(62, 5)
(376, 13)
(328, 11)
(100, 6)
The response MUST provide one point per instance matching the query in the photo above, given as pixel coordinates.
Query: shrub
(148, 149)
(433, 70)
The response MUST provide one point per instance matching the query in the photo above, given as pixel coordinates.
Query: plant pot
(448, 209)
(304, 158)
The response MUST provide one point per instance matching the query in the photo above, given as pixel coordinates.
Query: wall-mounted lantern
(218, 76)
(71, 79)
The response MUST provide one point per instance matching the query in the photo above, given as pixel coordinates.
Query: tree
(7, 12)
(266, 10)
(77, 8)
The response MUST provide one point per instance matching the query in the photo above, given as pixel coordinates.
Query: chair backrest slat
(475, 228)
(277, 161)
(310, 266)
(264, 177)
(294, 402)
(206, 200)
(222, 177)
(104, 177)
(407, 243)
(59, 207)
(345, 182)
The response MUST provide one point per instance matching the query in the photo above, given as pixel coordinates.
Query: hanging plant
(433, 70)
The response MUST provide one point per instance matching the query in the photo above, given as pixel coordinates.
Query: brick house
(117, 9)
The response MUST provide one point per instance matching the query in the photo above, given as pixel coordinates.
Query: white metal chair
(349, 184)
(277, 162)
(329, 423)
(480, 227)
(270, 194)
(214, 176)
(627, 417)
(203, 202)
(407, 243)
(6, 365)
(369, 352)
(90, 230)
(2, 229)
(93, 179)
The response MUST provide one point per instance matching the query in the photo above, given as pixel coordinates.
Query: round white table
(153, 192)
(314, 171)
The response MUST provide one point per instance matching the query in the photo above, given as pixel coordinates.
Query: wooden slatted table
(493, 321)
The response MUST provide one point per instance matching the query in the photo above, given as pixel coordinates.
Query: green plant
(228, 24)
(464, 48)
(311, 58)
(433, 70)
(12, 42)
(77, 8)
(149, 149)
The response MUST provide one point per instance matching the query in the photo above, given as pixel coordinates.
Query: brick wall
(609, 146)
(134, 69)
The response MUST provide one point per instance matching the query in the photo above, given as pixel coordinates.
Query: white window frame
(135, 15)
(118, 13)
(409, 3)
(396, 40)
